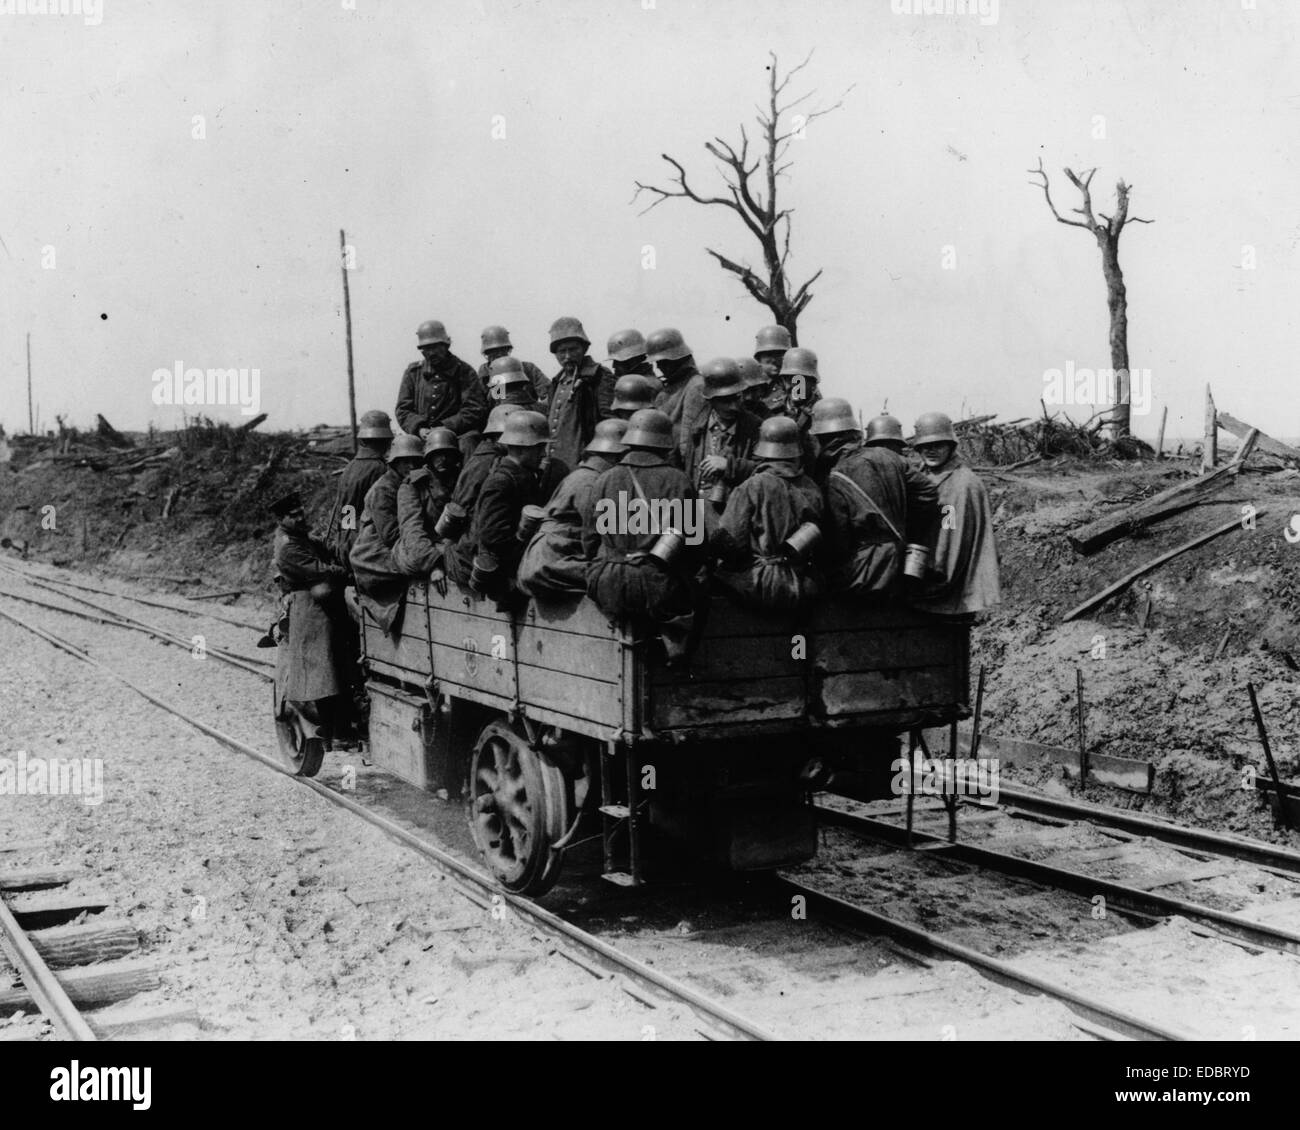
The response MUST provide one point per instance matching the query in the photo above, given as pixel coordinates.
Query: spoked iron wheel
(300, 752)
(520, 805)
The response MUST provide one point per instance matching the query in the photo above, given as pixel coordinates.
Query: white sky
(224, 251)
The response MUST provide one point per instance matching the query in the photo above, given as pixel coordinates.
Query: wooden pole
(347, 320)
(31, 419)
(1160, 439)
(1083, 744)
(1210, 448)
(1279, 811)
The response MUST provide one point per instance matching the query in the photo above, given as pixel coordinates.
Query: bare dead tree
(756, 203)
(1107, 235)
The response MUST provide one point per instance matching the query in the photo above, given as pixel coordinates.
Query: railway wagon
(558, 725)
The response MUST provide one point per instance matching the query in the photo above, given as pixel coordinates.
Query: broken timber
(1154, 563)
(1092, 537)
(1266, 444)
(1103, 768)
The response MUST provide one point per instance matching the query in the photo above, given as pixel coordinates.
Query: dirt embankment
(1161, 684)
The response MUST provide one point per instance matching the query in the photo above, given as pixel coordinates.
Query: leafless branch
(1043, 184)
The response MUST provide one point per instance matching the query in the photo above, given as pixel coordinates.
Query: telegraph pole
(31, 419)
(347, 318)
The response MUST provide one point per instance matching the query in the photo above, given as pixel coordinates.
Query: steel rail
(1001, 971)
(717, 1012)
(1121, 894)
(49, 995)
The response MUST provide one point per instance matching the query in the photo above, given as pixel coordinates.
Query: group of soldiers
(503, 482)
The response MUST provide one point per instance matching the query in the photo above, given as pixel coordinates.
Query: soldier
(481, 461)
(682, 397)
(632, 393)
(508, 383)
(717, 454)
(554, 563)
(580, 393)
(757, 567)
(487, 559)
(835, 431)
(625, 579)
(886, 431)
(770, 345)
(758, 389)
(420, 502)
(312, 661)
(496, 344)
(875, 502)
(799, 372)
(381, 587)
(373, 437)
(627, 351)
(441, 390)
(965, 554)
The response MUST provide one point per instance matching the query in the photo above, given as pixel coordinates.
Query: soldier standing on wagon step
(367, 466)
(875, 503)
(554, 562)
(311, 669)
(762, 512)
(580, 393)
(965, 554)
(440, 390)
(624, 578)
(496, 344)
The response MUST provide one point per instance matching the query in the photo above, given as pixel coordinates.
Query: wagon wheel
(301, 752)
(519, 806)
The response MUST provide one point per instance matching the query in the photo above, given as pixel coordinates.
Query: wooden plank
(1102, 531)
(1185, 875)
(394, 745)
(40, 909)
(62, 947)
(736, 659)
(111, 1023)
(699, 704)
(1119, 772)
(1265, 443)
(94, 985)
(590, 657)
(885, 649)
(598, 702)
(868, 692)
(36, 878)
(1210, 448)
(1154, 563)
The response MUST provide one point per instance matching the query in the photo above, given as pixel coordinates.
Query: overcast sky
(222, 251)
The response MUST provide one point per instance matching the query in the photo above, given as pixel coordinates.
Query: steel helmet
(406, 447)
(771, 339)
(608, 439)
(649, 428)
(495, 337)
(525, 429)
(751, 372)
(633, 392)
(933, 427)
(722, 378)
(567, 329)
(440, 439)
(504, 372)
(831, 416)
(375, 425)
(778, 438)
(884, 429)
(430, 333)
(496, 421)
(800, 362)
(667, 345)
(626, 344)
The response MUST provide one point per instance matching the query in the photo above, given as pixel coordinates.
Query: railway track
(586, 950)
(1103, 1020)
